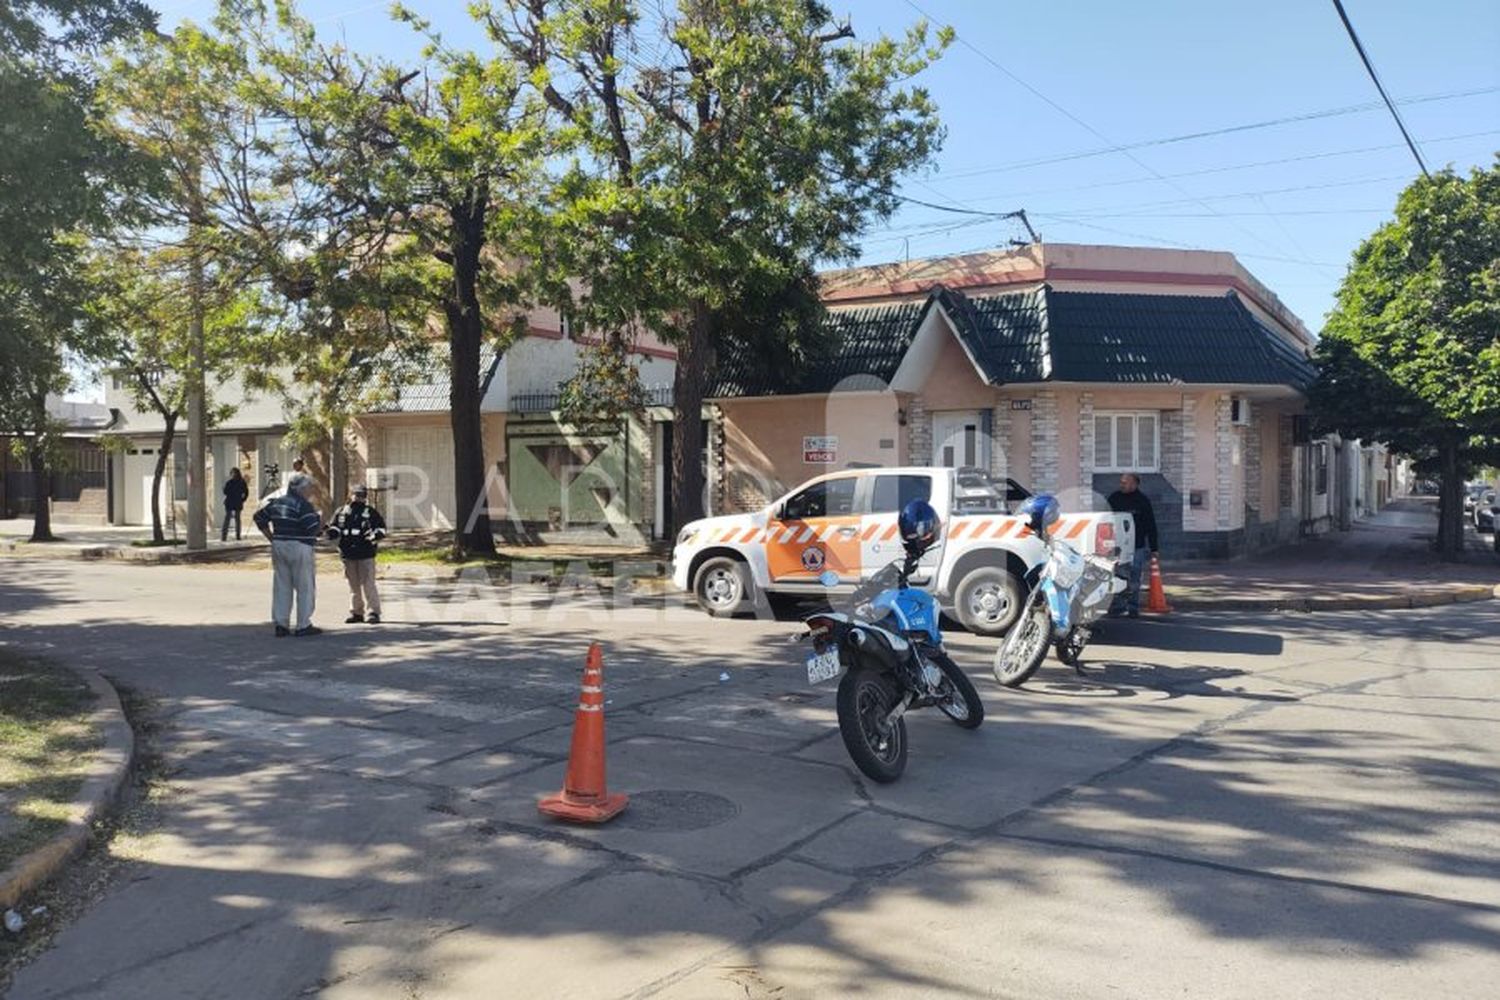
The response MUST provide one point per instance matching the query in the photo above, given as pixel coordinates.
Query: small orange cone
(1156, 596)
(584, 798)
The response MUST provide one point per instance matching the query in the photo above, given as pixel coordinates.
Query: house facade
(1061, 367)
(545, 478)
(80, 476)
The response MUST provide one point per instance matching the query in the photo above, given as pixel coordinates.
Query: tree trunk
(338, 465)
(168, 435)
(1450, 503)
(473, 533)
(41, 525)
(689, 384)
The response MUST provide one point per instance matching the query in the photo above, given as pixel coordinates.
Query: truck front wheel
(723, 587)
(987, 600)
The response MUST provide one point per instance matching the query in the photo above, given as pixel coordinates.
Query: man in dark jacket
(292, 525)
(359, 528)
(235, 492)
(1129, 499)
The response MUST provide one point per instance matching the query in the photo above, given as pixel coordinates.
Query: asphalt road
(1228, 806)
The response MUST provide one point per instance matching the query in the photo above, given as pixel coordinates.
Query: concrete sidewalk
(1385, 561)
(123, 542)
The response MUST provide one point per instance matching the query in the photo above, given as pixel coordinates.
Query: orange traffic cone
(1156, 596)
(584, 798)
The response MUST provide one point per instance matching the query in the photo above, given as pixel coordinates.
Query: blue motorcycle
(891, 656)
(1069, 591)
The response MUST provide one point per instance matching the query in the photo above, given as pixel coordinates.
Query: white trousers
(295, 572)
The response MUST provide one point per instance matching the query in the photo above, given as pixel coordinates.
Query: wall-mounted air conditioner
(1239, 411)
(380, 479)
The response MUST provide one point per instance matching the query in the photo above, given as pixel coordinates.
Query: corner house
(1059, 366)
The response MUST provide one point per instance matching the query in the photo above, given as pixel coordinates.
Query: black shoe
(374, 619)
(282, 631)
(355, 616)
(310, 630)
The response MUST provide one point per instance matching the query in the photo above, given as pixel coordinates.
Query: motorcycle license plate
(822, 666)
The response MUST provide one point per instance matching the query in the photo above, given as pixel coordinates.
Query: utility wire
(1370, 68)
(1305, 116)
(1086, 126)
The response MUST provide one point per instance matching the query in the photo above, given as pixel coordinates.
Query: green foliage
(1411, 353)
(717, 150)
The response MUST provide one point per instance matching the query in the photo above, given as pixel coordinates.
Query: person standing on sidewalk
(236, 491)
(359, 528)
(293, 526)
(1129, 499)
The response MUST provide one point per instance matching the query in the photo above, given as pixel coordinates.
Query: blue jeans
(1137, 565)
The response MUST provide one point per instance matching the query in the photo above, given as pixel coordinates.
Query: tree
(1411, 353)
(444, 155)
(141, 315)
(720, 149)
(57, 174)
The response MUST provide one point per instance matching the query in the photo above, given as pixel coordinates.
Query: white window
(1127, 441)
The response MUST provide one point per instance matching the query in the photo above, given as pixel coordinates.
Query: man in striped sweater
(293, 526)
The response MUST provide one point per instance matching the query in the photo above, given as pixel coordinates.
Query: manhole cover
(669, 810)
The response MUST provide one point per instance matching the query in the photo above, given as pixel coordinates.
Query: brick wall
(1086, 450)
(1224, 442)
(918, 432)
(1044, 443)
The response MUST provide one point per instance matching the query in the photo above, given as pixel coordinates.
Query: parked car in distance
(845, 522)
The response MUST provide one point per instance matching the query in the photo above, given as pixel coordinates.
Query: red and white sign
(820, 450)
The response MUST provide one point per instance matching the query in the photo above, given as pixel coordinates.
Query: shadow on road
(295, 858)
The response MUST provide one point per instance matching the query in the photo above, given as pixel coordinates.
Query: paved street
(1229, 806)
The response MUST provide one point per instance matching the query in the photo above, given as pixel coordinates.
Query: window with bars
(1127, 441)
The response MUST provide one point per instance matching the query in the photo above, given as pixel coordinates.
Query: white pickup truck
(846, 522)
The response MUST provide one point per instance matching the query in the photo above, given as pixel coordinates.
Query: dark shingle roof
(866, 348)
(1124, 338)
(1046, 335)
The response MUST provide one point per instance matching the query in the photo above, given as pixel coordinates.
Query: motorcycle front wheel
(1025, 646)
(879, 750)
(962, 703)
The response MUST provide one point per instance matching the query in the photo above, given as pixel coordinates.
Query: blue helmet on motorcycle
(1041, 511)
(919, 525)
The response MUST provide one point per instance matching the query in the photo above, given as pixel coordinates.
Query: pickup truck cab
(846, 522)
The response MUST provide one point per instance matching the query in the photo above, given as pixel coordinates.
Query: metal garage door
(422, 460)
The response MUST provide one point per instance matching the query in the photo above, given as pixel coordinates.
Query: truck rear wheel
(987, 600)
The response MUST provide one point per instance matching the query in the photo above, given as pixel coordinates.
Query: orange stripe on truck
(869, 533)
(890, 533)
(958, 531)
(1077, 529)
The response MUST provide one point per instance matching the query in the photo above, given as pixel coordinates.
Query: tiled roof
(868, 345)
(1122, 339)
(1046, 335)
(431, 392)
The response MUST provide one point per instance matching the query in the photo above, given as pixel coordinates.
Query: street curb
(100, 789)
(1428, 599)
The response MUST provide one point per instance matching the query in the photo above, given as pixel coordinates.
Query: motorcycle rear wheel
(962, 705)
(864, 699)
(1025, 646)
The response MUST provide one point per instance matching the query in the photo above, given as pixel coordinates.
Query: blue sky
(1291, 200)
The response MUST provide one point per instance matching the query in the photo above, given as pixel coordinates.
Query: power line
(1370, 68)
(1083, 124)
(1229, 168)
(1305, 116)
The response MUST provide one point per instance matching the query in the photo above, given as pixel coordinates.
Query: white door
(421, 459)
(958, 439)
